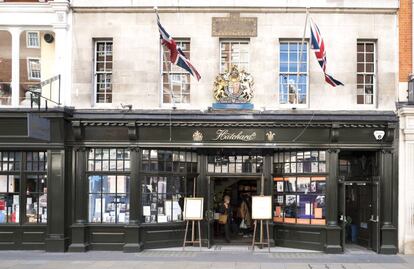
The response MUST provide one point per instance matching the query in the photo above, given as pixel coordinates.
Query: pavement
(218, 257)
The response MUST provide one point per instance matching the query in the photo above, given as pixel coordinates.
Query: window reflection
(5, 68)
(37, 63)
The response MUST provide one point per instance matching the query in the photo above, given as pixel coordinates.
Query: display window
(299, 187)
(234, 164)
(108, 178)
(167, 178)
(23, 187)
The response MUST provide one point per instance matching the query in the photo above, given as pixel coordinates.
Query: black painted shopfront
(115, 180)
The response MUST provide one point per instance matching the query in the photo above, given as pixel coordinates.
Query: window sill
(293, 106)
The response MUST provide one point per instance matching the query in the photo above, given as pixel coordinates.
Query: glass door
(342, 211)
(210, 212)
(375, 216)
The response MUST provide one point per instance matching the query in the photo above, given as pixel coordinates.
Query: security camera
(379, 135)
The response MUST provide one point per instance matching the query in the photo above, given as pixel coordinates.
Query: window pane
(5, 68)
(103, 71)
(95, 184)
(95, 208)
(366, 73)
(291, 90)
(3, 183)
(9, 208)
(176, 81)
(109, 208)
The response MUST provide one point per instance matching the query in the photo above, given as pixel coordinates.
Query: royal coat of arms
(233, 87)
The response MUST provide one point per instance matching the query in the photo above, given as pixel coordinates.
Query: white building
(35, 46)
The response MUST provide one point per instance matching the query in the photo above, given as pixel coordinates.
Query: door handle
(374, 220)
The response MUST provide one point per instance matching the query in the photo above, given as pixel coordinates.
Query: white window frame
(179, 72)
(233, 41)
(29, 70)
(297, 105)
(96, 72)
(28, 43)
(374, 74)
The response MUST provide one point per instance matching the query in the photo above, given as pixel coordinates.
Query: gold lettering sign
(234, 26)
(225, 135)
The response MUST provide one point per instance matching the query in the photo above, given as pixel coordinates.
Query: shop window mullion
(23, 187)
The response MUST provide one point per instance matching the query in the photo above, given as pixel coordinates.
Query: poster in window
(320, 201)
(320, 187)
(314, 168)
(322, 167)
(290, 200)
(313, 186)
(193, 208)
(303, 184)
(146, 211)
(262, 207)
(279, 186)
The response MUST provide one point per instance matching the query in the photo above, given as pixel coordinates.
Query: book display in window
(300, 162)
(301, 200)
(235, 164)
(162, 198)
(299, 189)
(108, 199)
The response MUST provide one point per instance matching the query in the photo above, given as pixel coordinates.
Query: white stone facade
(406, 181)
(136, 79)
(53, 16)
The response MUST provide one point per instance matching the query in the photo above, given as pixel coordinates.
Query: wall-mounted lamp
(129, 107)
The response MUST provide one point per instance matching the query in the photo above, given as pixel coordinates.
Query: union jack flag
(318, 46)
(177, 56)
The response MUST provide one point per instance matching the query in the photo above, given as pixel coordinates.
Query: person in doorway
(245, 216)
(227, 209)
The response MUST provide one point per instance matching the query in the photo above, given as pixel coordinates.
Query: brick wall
(405, 33)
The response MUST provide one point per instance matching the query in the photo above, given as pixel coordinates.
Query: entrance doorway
(239, 191)
(359, 196)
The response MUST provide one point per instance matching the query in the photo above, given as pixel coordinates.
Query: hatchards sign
(226, 135)
(233, 135)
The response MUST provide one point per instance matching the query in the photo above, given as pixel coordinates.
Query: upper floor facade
(108, 52)
(117, 57)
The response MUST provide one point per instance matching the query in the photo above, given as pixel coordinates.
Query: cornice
(228, 124)
(212, 9)
(47, 7)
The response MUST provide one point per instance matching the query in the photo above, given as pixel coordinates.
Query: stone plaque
(234, 26)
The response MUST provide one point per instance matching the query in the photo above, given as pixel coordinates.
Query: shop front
(117, 181)
(34, 162)
(333, 182)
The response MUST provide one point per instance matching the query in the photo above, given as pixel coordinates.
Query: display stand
(193, 237)
(261, 211)
(193, 212)
(261, 243)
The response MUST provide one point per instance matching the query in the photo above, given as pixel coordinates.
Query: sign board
(234, 26)
(262, 207)
(193, 208)
(38, 127)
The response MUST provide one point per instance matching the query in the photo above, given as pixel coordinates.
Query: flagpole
(300, 54)
(162, 60)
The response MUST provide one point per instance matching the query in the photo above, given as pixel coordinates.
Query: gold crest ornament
(233, 86)
(197, 136)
